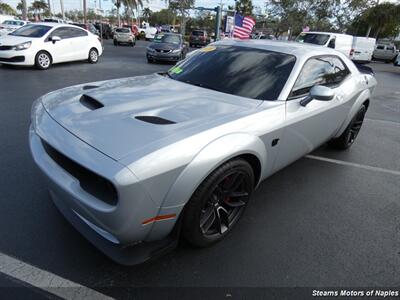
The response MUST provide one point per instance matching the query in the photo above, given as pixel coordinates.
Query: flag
(243, 26)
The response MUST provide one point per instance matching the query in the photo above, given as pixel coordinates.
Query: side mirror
(318, 92)
(55, 39)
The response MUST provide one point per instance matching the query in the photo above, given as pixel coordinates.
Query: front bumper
(12, 57)
(117, 230)
(164, 56)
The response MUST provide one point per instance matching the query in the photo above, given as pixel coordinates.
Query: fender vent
(89, 87)
(90, 102)
(155, 120)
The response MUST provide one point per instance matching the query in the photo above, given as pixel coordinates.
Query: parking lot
(331, 219)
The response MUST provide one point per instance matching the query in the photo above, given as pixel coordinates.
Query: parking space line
(383, 121)
(346, 163)
(46, 281)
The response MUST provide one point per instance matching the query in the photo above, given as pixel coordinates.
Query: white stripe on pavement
(346, 163)
(46, 281)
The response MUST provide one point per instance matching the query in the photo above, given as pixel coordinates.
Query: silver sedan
(135, 163)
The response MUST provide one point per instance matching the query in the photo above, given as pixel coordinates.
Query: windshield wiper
(200, 85)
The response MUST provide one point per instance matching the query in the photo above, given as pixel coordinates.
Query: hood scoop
(90, 102)
(155, 120)
(89, 87)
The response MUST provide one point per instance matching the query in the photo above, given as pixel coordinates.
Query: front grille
(13, 59)
(94, 184)
(163, 51)
(3, 48)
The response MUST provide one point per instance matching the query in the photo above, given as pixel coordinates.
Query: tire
(115, 43)
(43, 60)
(149, 61)
(213, 211)
(191, 45)
(93, 56)
(350, 134)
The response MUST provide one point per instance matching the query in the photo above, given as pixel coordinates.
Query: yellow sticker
(208, 49)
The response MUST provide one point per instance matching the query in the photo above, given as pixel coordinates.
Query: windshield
(122, 30)
(197, 33)
(313, 38)
(167, 38)
(247, 72)
(34, 31)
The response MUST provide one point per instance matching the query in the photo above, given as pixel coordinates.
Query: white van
(338, 41)
(363, 49)
(386, 52)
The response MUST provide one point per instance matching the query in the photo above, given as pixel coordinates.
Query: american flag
(243, 26)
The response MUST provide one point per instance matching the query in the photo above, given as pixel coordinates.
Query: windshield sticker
(176, 70)
(208, 49)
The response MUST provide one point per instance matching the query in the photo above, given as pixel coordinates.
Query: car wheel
(218, 203)
(190, 45)
(43, 60)
(350, 134)
(115, 43)
(93, 56)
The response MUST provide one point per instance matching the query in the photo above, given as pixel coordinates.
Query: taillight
(351, 52)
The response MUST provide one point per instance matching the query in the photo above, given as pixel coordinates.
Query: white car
(9, 26)
(44, 44)
(340, 42)
(148, 31)
(385, 52)
(397, 61)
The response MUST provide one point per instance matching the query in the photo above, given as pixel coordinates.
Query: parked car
(362, 49)
(124, 36)
(397, 61)
(9, 26)
(44, 44)
(385, 52)
(167, 47)
(7, 17)
(54, 20)
(265, 37)
(198, 38)
(337, 41)
(147, 31)
(135, 163)
(104, 30)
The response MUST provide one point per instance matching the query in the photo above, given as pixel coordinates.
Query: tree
(38, 7)
(146, 13)
(6, 9)
(130, 4)
(379, 21)
(164, 16)
(244, 7)
(182, 7)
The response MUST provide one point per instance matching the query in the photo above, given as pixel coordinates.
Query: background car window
(197, 33)
(247, 72)
(313, 38)
(390, 48)
(122, 30)
(380, 47)
(327, 71)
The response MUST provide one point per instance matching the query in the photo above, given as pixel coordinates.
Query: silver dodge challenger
(136, 163)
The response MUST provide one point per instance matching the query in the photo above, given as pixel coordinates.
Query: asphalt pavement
(316, 223)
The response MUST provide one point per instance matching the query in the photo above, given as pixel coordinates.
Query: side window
(62, 32)
(332, 43)
(327, 71)
(390, 48)
(76, 32)
(380, 47)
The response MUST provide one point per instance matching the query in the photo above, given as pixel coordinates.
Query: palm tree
(146, 13)
(21, 6)
(131, 4)
(6, 9)
(39, 6)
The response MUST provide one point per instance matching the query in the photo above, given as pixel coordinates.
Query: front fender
(205, 162)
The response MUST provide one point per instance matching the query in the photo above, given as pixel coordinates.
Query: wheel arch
(211, 157)
(363, 99)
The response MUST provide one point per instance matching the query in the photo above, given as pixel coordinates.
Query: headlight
(36, 112)
(176, 51)
(23, 46)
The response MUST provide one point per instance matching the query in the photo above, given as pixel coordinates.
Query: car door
(60, 50)
(307, 127)
(79, 44)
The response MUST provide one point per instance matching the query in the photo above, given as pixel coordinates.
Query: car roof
(293, 48)
(325, 32)
(53, 24)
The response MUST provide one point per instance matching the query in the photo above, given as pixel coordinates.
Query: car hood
(10, 40)
(118, 117)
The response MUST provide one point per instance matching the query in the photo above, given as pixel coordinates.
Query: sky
(154, 5)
